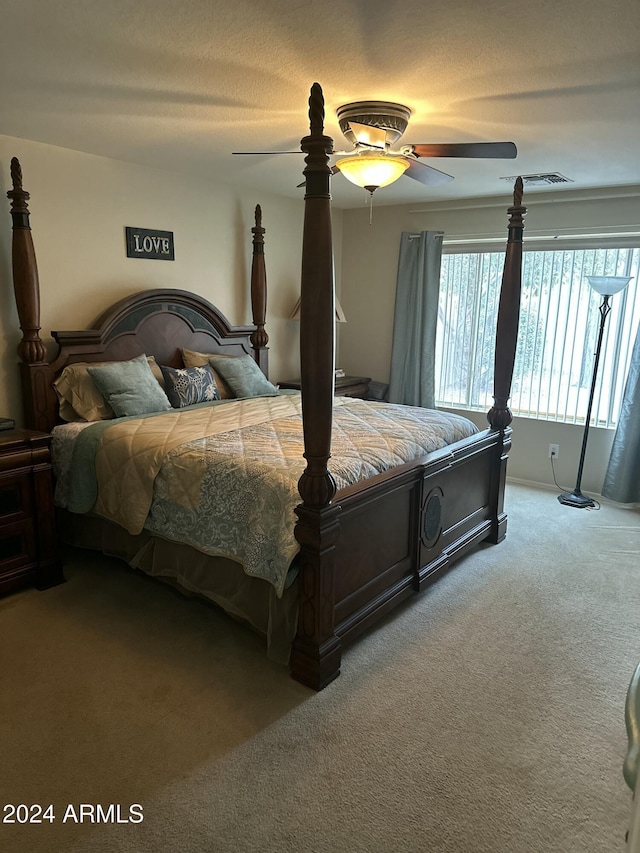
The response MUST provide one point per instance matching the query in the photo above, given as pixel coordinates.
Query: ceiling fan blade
(500, 150)
(375, 137)
(267, 152)
(334, 169)
(427, 175)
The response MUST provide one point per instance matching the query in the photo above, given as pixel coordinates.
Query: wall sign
(152, 245)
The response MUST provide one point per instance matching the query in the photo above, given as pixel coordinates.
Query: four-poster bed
(364, 547)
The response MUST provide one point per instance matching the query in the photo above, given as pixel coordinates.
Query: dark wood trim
(315, 655)
(499, 415)
(259, 337)
(317, 312)
(25, 271)
(28, 542)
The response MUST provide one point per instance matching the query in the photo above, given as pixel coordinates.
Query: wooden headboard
(154, 322)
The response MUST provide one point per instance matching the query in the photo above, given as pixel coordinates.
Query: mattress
(223, 477)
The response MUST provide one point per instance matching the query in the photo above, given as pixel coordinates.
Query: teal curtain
(412, 378)
(622, 480)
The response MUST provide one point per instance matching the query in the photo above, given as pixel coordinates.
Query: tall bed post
(499, 416)
(27, 292)
(316, 651)
(259, 338)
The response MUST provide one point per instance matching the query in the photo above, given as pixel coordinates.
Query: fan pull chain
(370, 208)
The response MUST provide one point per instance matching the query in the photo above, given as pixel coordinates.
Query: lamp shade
(608, 285)
(372, 171)
(340, 317)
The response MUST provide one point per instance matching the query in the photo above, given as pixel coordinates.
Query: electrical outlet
(554, 451)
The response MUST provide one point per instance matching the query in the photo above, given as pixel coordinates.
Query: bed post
(259, 338)
(316, 650)
(499, 415)
(27, 292)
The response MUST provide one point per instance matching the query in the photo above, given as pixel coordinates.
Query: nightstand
(346, 386)
(27, 526)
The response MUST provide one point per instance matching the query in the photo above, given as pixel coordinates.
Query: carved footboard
(398, 533)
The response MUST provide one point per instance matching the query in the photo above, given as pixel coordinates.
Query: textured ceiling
(180, 85)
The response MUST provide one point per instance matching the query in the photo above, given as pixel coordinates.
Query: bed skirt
(217, 579)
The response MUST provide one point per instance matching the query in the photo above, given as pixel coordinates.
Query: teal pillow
(188, 385)
(243, 376)
(129, 387)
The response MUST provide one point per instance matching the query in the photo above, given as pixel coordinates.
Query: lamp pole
(606, 286)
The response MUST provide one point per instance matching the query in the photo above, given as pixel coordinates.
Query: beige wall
(529, 457)
(370, 257)
(80, 205)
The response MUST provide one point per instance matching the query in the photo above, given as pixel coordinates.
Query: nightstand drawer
(16, 459)
(345, 386)
(15, 498)
(17, 544)
(352, 386)
(27, 528)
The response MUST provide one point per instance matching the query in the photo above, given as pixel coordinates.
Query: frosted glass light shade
(372, 171)
(607, 285)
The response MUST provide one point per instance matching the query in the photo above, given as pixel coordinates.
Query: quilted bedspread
(223, 477)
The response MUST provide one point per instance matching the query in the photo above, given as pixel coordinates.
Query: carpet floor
(485, 715)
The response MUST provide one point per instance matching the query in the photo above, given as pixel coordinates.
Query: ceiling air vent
(545, 179)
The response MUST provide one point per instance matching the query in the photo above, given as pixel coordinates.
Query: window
(559, 320)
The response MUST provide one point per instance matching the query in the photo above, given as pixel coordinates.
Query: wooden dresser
(28, 552)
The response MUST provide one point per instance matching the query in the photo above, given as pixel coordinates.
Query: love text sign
(152, 245)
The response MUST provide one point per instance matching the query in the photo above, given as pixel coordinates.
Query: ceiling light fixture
(372, 171)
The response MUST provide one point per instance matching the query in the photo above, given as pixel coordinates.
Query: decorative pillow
(80, 399)
(243, 376)
(155, 369)
(67, 412)
(191, 358)
(188, 385)
(130, 387)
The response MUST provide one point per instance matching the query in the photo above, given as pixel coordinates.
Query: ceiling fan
(373, 127)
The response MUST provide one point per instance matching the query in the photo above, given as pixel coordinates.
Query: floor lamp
(606, 286)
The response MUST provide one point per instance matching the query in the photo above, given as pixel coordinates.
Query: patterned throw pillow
(192, 358)
(188, 385)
